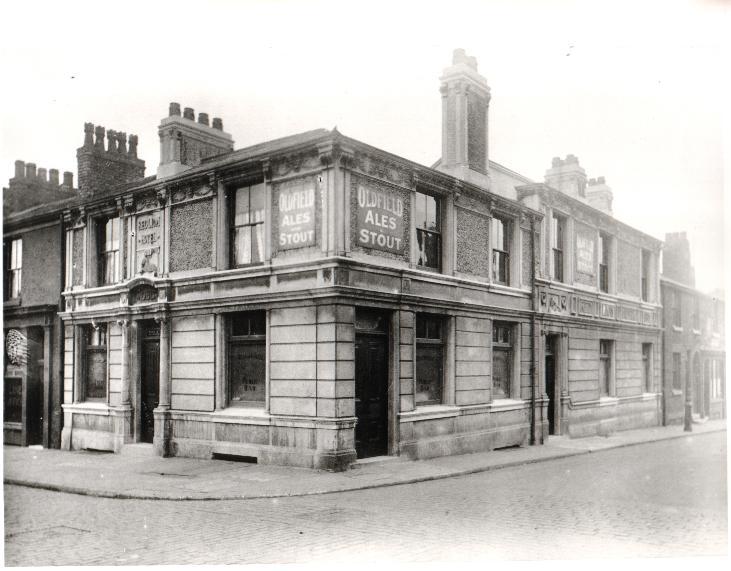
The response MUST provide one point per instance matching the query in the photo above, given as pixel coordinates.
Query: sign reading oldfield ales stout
(380, 220)
(296, 206)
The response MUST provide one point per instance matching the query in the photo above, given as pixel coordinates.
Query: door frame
(137, 341)
(559, 338)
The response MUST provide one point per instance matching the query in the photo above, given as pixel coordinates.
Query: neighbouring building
(32, 277)
(312, 300)
(693, 339)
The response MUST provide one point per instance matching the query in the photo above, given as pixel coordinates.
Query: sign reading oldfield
(380, 220)
(297, 216)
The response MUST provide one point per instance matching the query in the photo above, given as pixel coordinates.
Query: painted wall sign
(148, 239)
(585, 254)
(380, 220)
(296, 207)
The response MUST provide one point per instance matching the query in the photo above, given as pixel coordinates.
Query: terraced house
(313, 300)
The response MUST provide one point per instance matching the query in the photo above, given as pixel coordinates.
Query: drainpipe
(535, 334)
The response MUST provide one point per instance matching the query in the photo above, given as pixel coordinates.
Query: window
(247, 358)
(716, 379)
(69, 262)
(647, 367)
(696, 318)
(95, 378)
(677, 373)
(13, 264)
(429, 359)
(605, 367)
(558, 231)
(603, 263)
(500, 238)
(645, 275)
(428, 221)
(676, 309)
(108, 248)
(502, 360)
(247, 225)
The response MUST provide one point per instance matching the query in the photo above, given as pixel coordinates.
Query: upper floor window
(647, 381)
(13, 267)
(502, 359)
(500, 238)
(645, 275)
(429, 359)
(247, 225)
(676, 308)
(558, 241)
(603, 263)
(108, 247)
(428, 222)
(696, 318)
(95, 378)
(68, 262)
(247, 358)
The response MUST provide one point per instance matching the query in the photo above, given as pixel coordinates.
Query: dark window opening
(429, 359)
(247, 359)
(428, 230)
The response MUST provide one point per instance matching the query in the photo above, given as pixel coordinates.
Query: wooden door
(371, 395)
(150, 387)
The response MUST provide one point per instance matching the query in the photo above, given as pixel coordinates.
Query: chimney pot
(556, 162)
(20, 168)
(133, 145)
(43, 175)
(203, 119)
(111, 141)
(188, 113)
(30, 171)
(122, 143)
(174, 110)
(53, 177)
(68, 180)
(88, 134)
(601, 180)
(218, 123)
(99, 134)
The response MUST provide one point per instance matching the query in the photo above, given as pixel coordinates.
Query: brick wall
(191, 236)
(629, 267)
(472, 243)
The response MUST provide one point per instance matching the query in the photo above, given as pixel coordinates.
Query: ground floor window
(247, 358)
(95, 378)
(502, 359)
(605, 367)
(429, 359)
(716, 379)
(677, 374)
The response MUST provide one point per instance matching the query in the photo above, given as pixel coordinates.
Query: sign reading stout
(148, 241)
(585, 253)
(380, 220)
(296, 216)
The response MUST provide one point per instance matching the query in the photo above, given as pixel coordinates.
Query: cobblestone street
(659, 499)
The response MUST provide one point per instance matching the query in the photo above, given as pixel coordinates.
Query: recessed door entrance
(371, 384)
(150, 376)
(550, 369)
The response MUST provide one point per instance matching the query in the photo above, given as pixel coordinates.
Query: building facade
(694, 371)
(313, 300)
(32, 272)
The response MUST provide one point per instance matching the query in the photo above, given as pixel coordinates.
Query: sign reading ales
(297, 216)
(380, 220)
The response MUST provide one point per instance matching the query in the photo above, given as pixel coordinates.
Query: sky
(633, 89)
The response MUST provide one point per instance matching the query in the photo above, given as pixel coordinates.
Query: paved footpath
(141, 475)
(657, 499)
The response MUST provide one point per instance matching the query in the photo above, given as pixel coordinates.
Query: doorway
(550, 370)
(150, 379)
(371, 383)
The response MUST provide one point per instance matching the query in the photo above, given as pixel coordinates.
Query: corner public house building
(312, 300)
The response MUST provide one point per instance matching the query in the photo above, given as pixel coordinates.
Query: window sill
(506, 404)
(427, 412)
(88, 407)
(677, 328)
(677, 392)
(696, 332)
(13, 302)
(237, 414)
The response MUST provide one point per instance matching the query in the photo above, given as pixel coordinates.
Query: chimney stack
(42, 175)
(53, 177)
(185, 143)
(676, 259)
(30, 171)
(599, 195)
(68, 180)
(19, 169)
(567, 176)
(465, 106)
(101, 169)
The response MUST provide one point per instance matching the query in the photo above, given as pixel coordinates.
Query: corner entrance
(150, 377)
(371, 383)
